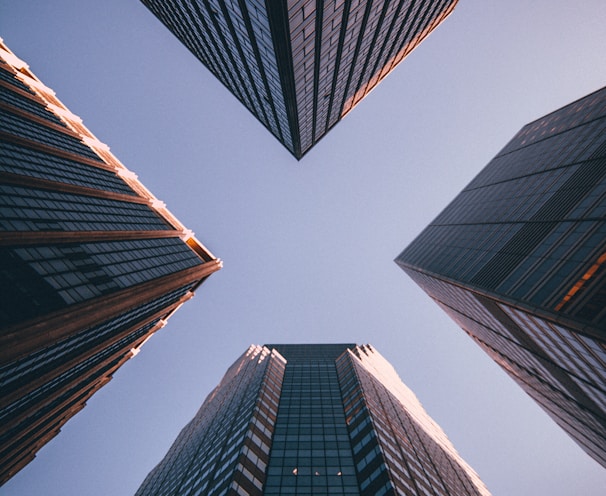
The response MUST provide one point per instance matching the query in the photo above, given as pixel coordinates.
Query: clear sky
(308, 246)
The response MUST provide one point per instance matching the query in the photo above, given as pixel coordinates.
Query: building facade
(300, 66)
(91, 264)
(323, 419)
(518, 260)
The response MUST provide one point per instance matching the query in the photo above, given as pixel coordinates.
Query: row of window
(575, 114)
(569, 146)
(8, 77)
(27, 209)
(36, 364)
(37, 397)
(39, 133)
(79, 272)
(28, 162)
(32, 106)
(582, 358)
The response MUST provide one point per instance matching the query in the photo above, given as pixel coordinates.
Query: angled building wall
(300, 66)
(91, 264)
(518, 260)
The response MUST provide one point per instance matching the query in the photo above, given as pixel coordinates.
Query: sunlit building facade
(91, 264)
(300, 66)
(518, 260)
(325, 419)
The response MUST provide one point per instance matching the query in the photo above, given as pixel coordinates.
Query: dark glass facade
(91, 264)
(300, 66)
(312, 420)
(518, 261)
(311, 452)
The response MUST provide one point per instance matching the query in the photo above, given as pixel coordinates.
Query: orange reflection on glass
(581, 282)
(384, 69)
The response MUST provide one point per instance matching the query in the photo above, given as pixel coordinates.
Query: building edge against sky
(300, 67)
(518, 260)
(92, 264)
(312, 419)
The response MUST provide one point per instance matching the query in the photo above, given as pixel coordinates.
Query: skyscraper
(91, 264)
(517, 260)
(312, 419)
(300, 66)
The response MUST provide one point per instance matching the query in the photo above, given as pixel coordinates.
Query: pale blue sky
(308, 246)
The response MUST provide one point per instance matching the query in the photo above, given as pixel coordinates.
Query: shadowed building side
(518, 260)
(300, 66)
(91, 264)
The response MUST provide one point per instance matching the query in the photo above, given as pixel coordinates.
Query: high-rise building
(312, 419)
(91, 264)
(518, 260)
(300, 66)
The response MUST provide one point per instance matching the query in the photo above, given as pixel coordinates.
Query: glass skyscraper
(518, 260)
(91, 264)
(312, 419)
(300, 66)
